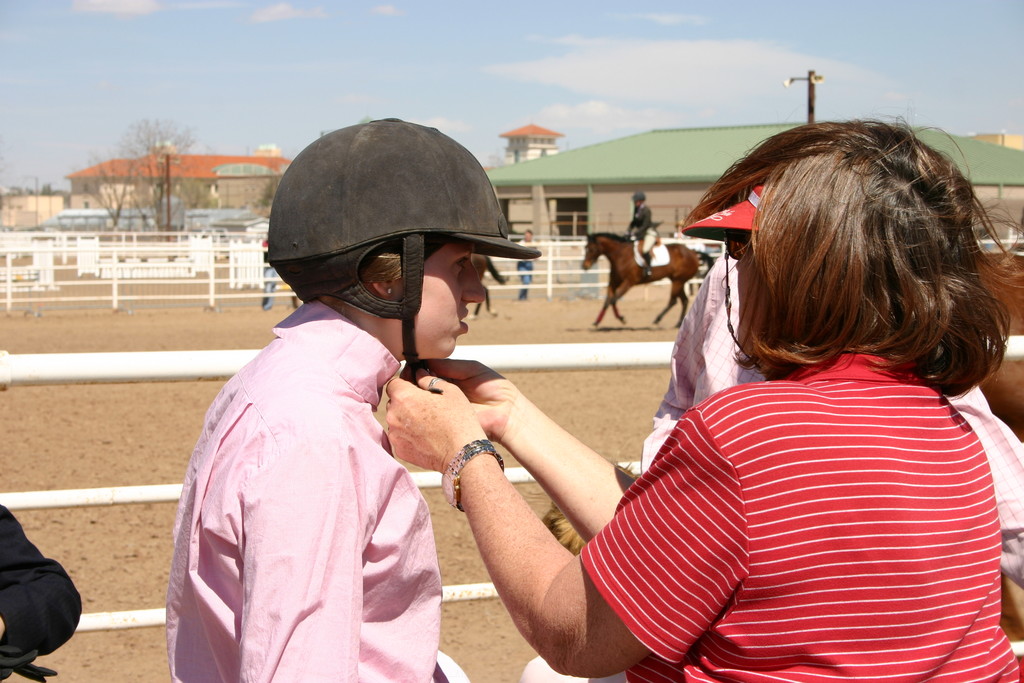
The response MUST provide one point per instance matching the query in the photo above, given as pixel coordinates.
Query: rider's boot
(647, 264)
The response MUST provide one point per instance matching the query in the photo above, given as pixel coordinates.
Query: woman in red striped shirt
(835, 522)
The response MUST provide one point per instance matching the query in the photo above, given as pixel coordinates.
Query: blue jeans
(526, 269)
(269, 286)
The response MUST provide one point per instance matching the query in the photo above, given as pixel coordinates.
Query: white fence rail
(137, 270)
(19, 370)
(170, 366)
(39, 369)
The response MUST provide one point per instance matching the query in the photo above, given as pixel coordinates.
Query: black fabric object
(357, 187)
(14, 661)
(39, 603)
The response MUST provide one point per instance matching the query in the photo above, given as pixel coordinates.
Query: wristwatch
(450, 479)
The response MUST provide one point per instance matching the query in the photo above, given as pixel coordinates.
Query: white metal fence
(42, 369)
(20, 370)
(124, 271)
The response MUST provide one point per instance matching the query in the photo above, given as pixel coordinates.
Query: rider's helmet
(354, 189)
(639, 196)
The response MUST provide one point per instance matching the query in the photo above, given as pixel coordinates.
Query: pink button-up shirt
(704, 363)
(303, 550)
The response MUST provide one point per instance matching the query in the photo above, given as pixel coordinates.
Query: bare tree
(154, 146)
(139, 173)
(115, 186)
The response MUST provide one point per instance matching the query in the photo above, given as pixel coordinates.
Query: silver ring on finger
(433, 389)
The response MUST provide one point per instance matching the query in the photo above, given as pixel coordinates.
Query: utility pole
(167, 189)
(812, 79)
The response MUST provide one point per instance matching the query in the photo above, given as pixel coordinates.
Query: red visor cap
(736, 217)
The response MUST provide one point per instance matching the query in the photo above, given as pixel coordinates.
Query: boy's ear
(386, 290)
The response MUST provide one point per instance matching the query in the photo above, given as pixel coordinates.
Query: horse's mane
(610, 235)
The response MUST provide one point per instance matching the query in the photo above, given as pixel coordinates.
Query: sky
(75, 75)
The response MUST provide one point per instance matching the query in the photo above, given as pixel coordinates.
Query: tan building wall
(1011, 141)
(29, 211)
(597, 208)
(236, 192)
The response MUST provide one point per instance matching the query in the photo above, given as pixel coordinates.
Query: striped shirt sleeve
(671, 559)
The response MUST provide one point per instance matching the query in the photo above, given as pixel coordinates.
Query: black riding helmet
(358, 187)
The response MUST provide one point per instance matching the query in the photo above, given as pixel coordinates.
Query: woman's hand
(428, 428)
(493, 396)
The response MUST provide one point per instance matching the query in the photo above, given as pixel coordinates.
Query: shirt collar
(859, 367)
(358, 357)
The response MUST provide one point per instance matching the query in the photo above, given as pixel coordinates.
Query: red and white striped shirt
(838, 525)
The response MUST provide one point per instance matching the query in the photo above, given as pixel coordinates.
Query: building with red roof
(530, 142)
(199, 181)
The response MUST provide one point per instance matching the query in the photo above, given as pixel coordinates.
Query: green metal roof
(701, 155)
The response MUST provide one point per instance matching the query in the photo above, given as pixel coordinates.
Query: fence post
(9, 280)
(114, 273)
(213, 279)
(550, 287)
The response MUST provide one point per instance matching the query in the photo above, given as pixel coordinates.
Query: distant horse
(483, 264)
(682, 266)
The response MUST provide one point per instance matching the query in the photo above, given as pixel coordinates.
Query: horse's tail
(493, 270)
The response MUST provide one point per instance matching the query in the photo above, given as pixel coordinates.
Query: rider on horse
(641, 228)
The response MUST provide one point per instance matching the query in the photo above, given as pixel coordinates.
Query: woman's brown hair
(866, 241)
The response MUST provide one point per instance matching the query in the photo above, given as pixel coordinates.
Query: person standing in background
(269, 281)
(525, 267)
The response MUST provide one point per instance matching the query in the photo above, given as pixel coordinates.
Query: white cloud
(284, 10)
(692, 75)
(388, 10)
(604, 118)
(122, 8)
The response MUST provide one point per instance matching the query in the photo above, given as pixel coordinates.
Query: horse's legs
(618, 293)
(678, 293)
(487, 302)
(685, 300)
(615, 310)
(608, 301)
(671, 303)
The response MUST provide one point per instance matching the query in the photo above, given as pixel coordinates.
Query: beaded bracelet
(451, 479)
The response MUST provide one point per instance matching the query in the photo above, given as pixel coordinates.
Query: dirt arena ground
(85, 436)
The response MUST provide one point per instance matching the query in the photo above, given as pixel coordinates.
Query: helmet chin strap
(412, 359)
(412, 275)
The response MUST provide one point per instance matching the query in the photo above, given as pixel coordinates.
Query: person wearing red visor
(813, 526)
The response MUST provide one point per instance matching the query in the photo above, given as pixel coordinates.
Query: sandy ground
(84, 436)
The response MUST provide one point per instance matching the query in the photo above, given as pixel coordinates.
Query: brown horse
(483, 264)
(683, 264)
